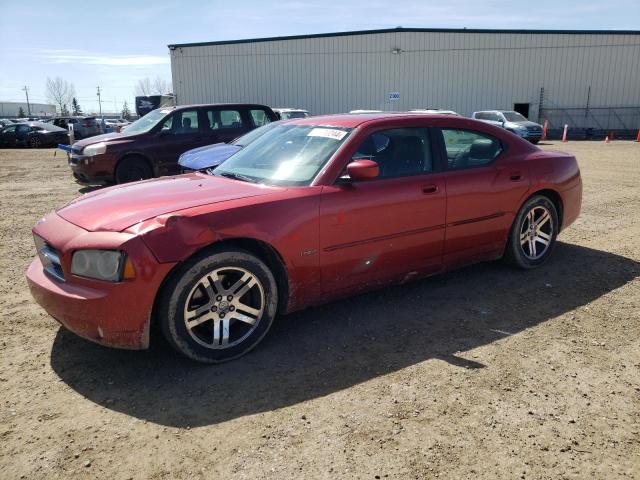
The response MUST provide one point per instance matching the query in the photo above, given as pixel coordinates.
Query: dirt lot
(486, 372)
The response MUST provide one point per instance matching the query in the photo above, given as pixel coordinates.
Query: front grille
(49, 258)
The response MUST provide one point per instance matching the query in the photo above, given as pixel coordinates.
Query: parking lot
(486, 372)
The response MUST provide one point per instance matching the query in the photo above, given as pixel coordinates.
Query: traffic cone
(564, 133)
(606, 139)
(546, 127)
(638, 137)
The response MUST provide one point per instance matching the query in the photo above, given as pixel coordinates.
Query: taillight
(85, 124)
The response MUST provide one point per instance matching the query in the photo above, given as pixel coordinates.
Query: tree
(60, 92)
(75, 107)
(126, 113)
(146, 87)
(64, 111)
(21, 113)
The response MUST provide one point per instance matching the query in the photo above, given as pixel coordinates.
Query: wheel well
(271, 258)
(260, 249)
(555, 198)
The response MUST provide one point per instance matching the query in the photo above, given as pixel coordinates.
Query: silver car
(512, 121)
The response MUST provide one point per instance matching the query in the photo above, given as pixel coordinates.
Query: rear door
(22, 134)
(483, 188)
(223, 124)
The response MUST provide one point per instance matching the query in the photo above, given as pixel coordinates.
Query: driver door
(180, 132)
(388, 228)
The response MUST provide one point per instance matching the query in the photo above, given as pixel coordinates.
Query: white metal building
(593, 76)
(12, 109)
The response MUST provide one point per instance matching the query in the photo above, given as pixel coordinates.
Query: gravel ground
(486, 372)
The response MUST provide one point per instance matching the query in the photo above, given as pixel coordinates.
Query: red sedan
(317, 208)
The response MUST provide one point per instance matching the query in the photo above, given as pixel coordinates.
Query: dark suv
(150, 146)
(83, 127)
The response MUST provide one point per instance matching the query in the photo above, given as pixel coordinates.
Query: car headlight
(95, 149)
(106, 265)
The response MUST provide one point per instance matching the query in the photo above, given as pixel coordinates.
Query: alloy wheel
(536, 232)
(224, 307)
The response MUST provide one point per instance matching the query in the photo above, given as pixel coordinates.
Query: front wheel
(533, 233)
(132, 169)
(219, 306)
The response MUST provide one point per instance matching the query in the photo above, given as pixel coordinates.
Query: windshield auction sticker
(327, 133)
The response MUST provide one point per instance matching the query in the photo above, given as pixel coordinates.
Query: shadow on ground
(86, 188)
(322, 350)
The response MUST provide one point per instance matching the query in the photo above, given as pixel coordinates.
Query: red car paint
(332, 238)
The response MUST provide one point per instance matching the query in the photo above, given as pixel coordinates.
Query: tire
(132, 169)
(35, 142)
(525, 243)
(206, 318)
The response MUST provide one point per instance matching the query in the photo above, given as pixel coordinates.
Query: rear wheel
(132, 169)
(219, 306)
(533, 233)
(35, 142)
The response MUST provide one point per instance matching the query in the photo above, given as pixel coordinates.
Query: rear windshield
(514, 117)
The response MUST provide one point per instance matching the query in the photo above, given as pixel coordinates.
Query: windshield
(285, 155)
(146, 123)
(514, 117)
(247, 138)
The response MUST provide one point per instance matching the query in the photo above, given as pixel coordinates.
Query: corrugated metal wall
(462, 71)
(11, 109)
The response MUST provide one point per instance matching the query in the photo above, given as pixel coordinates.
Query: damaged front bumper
(114, 314)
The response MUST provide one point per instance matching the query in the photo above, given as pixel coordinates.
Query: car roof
(200, 105)
(352, 120)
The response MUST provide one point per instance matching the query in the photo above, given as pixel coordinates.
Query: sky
(115, 44)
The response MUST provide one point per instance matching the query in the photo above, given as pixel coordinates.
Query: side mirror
(363, 170)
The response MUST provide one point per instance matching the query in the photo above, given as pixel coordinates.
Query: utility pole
(100, 104)
(26, 91)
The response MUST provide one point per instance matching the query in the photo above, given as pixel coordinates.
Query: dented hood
(117, 208)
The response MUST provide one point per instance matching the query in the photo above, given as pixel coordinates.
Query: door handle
(515, 176)
(429, 189)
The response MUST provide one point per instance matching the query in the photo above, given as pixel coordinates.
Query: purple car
(210, 156)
